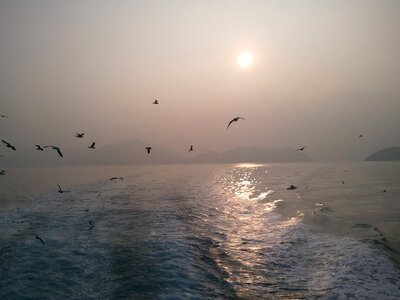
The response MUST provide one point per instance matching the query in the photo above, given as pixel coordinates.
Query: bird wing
(233, 120)
(5, 142)
(59, 187)
(59, 151)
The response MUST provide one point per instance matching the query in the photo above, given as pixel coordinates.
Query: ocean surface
(201, 232)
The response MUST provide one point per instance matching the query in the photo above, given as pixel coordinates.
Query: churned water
(202, 231)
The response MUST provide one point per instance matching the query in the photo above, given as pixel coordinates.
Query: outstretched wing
(59, 151)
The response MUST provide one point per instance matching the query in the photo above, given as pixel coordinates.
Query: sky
(323, 72)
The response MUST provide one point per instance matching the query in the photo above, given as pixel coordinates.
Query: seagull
(301, 149)
(38, 148)
(60, 190)
(155, 101)
(55, 148)
(3, 116)
(79, 135)
(9, 145)
(91, 223)
(191, 148)
(292, 187)
(3, 172)
(360, 136)
(92, 146)
(38, 237)
(148, 149)
(234, 120)
(113, 178)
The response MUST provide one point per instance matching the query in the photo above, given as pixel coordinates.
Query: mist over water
(204, 231)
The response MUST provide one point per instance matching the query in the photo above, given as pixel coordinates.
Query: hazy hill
(252, 154)
(391, 153)
(133, 152)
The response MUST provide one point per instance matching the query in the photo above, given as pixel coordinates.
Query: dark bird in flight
(9, 145)
(301, 149)
(384, 191)
(60, 190)
(113, 178)
(92, 146)
(3, 172)
(342, 182)
(91, 223)
(3, 116)
(234, 120)
(360, 136)
(39, 148)
(38, 237)
(155, 101)
(148, 149)
(292, 187)
(79, 135)
(191, 148)
(55, 148)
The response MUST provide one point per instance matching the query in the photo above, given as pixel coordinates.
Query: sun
(245, 59)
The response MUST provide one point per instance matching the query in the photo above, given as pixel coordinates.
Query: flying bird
(79, 135)
(60, 190)
(38, 237)
(384, 191)
(55, 148)
(301, 149)
(113, 178)
(3, 116)
(155, 101)
(148, 149)
(9, 145)
(191, 148)
(234, 120)
(342, 182)
(292, 187)
(91, 223)
(92, 146)
(3, 172)
(360, 136)
(39, 148)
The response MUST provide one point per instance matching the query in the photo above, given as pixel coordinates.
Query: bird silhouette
(384, 191)
(55, 148)
(38, 237)
(79, 135)
(91, 223)
(301, 149)
(3, 116)
(148, 149)
(60, 190)
(342, 182)
(360, 136)
(191, 148)
(39, 148)
(155, 101)
(8, 145)
(234, 120)
(92, 146)
(113, 178)
(3, 172)
(292, 187)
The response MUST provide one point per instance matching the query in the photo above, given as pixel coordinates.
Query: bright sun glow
(245, 59)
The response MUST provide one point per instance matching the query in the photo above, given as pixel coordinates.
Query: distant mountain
(386, 154)
(252, 154)
(133, 152)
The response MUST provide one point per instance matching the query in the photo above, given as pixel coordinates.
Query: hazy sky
(323, 72)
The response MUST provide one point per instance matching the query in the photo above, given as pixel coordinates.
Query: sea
(231, 231)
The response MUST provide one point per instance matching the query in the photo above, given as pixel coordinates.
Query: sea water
(201, 231)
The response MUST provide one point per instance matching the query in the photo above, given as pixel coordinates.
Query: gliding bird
(55, 148)
(234, 120)
(148, 149)
(155, 101)
(9, 145)
(79, 135)
(92, 146)
(301, 149)
(191, 148)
